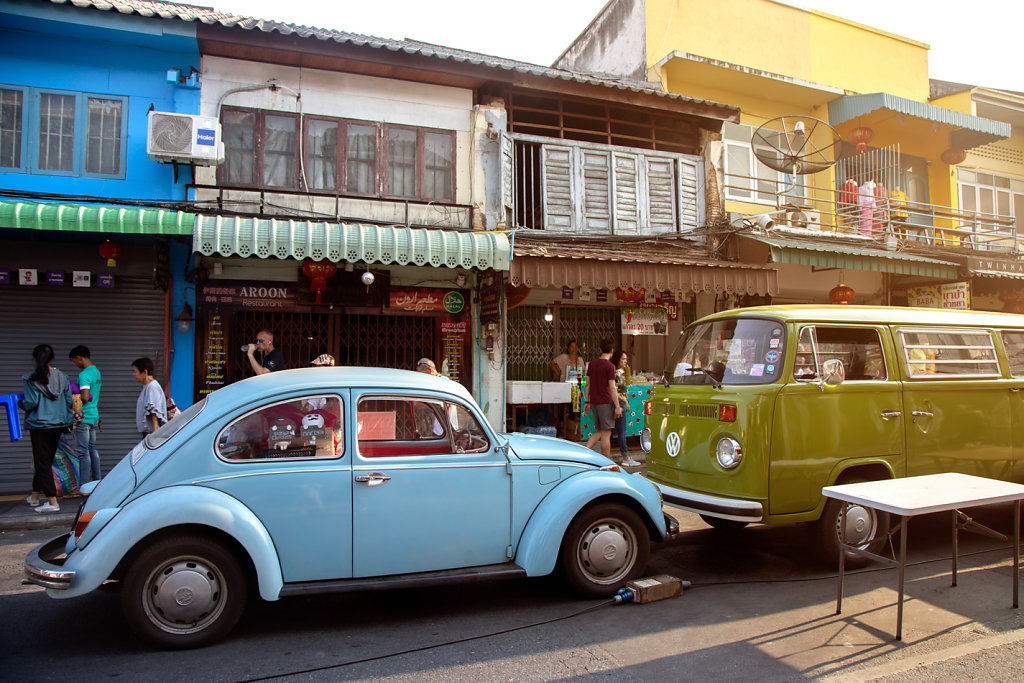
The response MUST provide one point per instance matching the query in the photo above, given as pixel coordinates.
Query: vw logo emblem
(672, 444)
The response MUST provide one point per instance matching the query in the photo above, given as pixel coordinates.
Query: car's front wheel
(866, 528)
(604, 547)
(184, 592)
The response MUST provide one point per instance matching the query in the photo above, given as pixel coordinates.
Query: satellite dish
(800, 145)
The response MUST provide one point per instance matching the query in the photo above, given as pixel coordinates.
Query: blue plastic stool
(10, 403)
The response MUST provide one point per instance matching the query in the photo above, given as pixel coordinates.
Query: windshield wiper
(715, 382)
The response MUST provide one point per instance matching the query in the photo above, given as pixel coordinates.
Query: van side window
(946, 353)
(1014, 343)
(859, 349)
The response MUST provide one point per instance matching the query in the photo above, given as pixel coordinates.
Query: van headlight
(729, 452)
(645, 439)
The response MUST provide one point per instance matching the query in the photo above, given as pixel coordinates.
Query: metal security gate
(117, 325)
(533, 341)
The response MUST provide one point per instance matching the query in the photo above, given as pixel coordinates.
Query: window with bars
(353, 157)
(62, 133)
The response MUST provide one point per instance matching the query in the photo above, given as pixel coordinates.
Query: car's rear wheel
(604, 547)
(866, 528)
(184, 592)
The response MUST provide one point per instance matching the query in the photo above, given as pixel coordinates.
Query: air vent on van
(663, 409)
(707, 411)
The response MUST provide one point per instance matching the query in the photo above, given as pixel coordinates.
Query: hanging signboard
(426, 299)
(954, 296)
(490, 298)
(646, 321)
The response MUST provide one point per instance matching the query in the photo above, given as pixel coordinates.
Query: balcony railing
(802, 206)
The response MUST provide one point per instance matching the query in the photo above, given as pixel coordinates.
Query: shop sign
(602, 295)
(27, 276)
(248, 295)
(566, 292)
(5, 277)
(953, 296)
(105, 280)
(1010, 267)
(55, 278)
(81, 278)
(646, 321)
(671, 308)
(630, 295)
(490, 298)
(426, 300)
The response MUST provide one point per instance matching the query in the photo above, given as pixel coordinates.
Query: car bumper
(715, 506)
(44, 565)
(671, 527)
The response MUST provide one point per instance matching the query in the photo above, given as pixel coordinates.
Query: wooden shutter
(626, 181)
(556, 187)
(661, 195)
(691, 182)
(596, 206)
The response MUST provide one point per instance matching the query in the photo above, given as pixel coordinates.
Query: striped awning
(351, 242)
(834, 254)
(125, 220)
(969, 131)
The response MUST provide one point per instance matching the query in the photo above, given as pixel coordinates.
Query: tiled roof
(210, 16)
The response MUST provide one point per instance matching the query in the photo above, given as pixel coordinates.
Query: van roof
(895, 315)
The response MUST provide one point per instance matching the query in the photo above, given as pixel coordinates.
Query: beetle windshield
(728, 351)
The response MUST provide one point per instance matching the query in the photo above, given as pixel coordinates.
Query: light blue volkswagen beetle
(337, 479)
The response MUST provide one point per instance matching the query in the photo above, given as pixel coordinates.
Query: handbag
(65, 468)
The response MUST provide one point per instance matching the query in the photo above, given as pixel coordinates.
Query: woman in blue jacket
(48, 414)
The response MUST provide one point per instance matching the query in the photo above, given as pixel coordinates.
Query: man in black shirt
(272, 358)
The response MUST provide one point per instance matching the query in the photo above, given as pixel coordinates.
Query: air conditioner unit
(802, 218)
(184, 138)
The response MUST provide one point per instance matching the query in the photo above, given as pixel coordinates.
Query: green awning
(833, 254)
(352, 242)
(970, 131)
(123, 220)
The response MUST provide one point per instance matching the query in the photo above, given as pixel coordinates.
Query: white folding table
(912, 496)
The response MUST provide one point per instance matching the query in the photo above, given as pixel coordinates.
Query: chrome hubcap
(861, 526)
(607, 551)
(185, 595)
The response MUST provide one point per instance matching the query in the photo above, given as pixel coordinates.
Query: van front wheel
(866, 528)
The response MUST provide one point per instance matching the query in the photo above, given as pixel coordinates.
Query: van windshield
(732, 351)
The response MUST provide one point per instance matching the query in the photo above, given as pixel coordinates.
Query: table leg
(903, 567)
(955, 548)
(1016, 549)
(842, 558)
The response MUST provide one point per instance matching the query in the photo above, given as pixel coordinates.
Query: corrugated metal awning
(353, 242)
(89, 218)
(971, 131)
(833, 254)
(652, 265)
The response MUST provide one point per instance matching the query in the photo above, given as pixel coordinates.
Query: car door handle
(921, 413)
(373, 478)
(890, 414)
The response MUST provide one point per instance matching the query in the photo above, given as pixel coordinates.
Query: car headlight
(645, 440)
(728, 452)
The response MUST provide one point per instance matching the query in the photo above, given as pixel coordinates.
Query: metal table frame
(912, 496)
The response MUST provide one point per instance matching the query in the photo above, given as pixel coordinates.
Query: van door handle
(921, 413)
(890, 414)
(373, 478)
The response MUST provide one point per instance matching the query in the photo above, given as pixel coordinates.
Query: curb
(55, 520)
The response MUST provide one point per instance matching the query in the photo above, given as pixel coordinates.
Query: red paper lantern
(110, 251)
(841, 294)
(953, 156)
(318, 272)
(861, 136)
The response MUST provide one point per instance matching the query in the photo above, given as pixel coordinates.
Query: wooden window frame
(380, 184)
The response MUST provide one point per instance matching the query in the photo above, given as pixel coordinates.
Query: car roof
(893, 315)
(319, 379)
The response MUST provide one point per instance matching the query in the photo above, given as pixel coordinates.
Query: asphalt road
(758, 609)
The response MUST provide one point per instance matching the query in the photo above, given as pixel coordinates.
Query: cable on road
(399, 653)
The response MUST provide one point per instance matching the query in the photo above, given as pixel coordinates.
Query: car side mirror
(832, 372)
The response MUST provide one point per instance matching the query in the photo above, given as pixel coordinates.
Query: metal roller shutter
(117, 325)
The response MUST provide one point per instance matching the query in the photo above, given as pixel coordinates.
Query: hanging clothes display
(881, 210)
(847, 206)
(866, 202)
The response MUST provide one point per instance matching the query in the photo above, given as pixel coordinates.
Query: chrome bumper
(715, 506)
(671, 527)
(43, 566)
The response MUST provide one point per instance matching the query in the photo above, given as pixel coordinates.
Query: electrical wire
(457, 641)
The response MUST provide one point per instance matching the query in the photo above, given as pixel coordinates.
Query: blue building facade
(76, 88)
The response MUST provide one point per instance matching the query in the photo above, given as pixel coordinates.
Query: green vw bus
(762, 407)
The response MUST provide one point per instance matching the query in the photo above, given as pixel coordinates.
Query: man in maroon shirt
(599, 398)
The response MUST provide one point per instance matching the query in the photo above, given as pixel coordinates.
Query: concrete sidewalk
(16, 515)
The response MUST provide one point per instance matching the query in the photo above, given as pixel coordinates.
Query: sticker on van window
(756, 369)
(777, 332)
(774, 343)
(771, 356)
(770, 369)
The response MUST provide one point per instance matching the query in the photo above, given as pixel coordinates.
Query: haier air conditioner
(805, 219)
(184, 138)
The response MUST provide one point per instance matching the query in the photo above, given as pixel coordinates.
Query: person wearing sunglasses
(272, 358)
